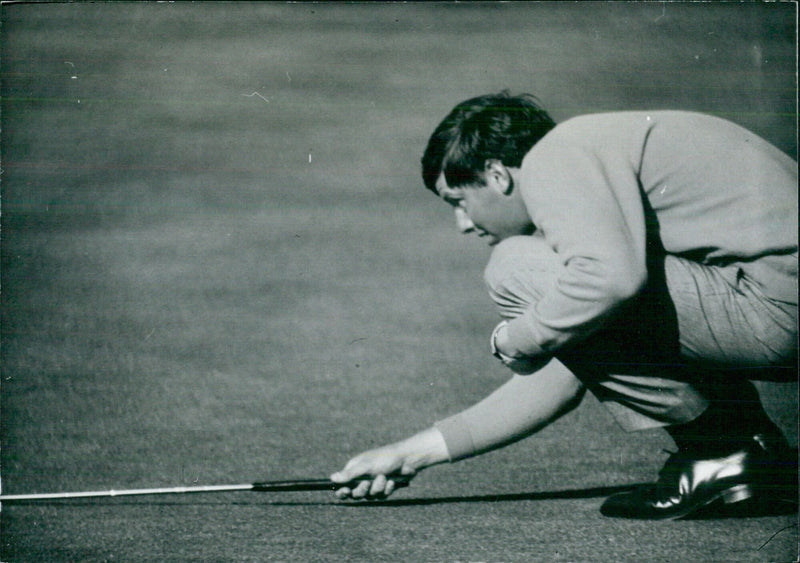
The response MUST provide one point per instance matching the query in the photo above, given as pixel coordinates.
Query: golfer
(649, 257)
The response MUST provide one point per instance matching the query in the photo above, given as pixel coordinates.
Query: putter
(265, 486)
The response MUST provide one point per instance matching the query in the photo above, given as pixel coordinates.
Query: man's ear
(498, 176)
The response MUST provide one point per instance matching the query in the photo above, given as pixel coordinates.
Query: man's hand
(513, 360)
(406, 457)
(378, 463)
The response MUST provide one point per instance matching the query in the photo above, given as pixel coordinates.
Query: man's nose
(464, 223)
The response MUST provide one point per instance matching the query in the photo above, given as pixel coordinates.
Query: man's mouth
(492, 239)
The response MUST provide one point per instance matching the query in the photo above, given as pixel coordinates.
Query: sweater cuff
(520, 338)
(457, 437)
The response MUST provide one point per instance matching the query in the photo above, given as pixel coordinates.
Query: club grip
(400, 481)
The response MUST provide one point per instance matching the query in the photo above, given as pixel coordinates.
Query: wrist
(423, 450)
(496, 341)
(504, 350)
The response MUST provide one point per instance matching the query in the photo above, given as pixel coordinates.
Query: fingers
(340, 477)
(371, 468)
(377, 488)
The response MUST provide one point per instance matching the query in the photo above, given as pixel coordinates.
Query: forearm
(517, 409)
(423, 449)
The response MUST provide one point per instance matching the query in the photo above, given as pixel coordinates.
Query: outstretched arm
(517, 409)
(522, 406)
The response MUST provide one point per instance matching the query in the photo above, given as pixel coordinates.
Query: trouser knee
(521, 269)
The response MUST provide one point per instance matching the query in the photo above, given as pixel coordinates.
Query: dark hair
(496, 126)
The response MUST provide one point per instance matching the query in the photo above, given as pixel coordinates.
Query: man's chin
(494, 240)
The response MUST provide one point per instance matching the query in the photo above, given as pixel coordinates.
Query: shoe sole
(737, 493)
(732, 495)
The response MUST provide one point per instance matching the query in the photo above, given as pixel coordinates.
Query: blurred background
(219, 264)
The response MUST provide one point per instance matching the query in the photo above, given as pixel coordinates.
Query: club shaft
(265, 486)
(129, 492)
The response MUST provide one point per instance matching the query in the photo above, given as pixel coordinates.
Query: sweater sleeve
(585, 199)
(520, 407)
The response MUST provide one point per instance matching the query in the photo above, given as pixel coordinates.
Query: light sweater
(608, 191)
(720, 196)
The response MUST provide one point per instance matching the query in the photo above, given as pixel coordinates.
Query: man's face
(488, 210)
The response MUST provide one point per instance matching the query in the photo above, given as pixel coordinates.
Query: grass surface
(219, 266)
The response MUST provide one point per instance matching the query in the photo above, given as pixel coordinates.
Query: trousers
(695, 334)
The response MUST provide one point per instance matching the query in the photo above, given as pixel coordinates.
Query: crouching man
(649, 257)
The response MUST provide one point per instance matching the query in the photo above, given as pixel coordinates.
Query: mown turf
(219, 266)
